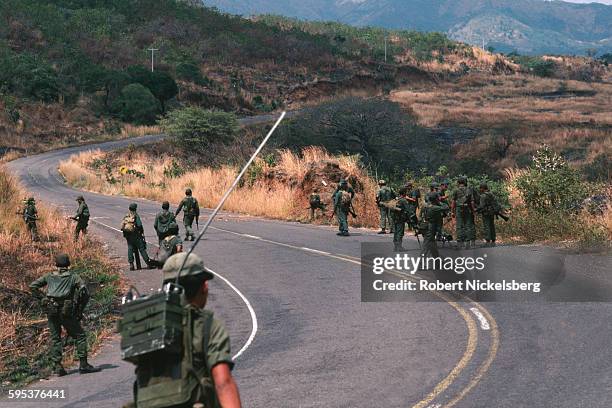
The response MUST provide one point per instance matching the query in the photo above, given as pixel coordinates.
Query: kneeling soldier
(64, 302)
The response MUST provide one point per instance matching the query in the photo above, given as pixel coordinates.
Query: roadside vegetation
(23, 325)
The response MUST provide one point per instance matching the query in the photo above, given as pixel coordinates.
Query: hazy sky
(591, 1)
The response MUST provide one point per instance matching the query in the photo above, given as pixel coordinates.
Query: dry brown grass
(23, 330)
(279, 192)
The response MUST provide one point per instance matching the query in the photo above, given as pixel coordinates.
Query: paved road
(290, 296)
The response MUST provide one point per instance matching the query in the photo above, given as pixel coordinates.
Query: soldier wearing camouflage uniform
(443, 198)
(384, 194)
(191, 212)
(164, 221)
(463, 209)
(401, 214)
(432, 214)
(30, 216)
(488, 208)
(211, 355)
(64, 301)
(315, 203)
(81, 217)
(133, 232)
(340, 209)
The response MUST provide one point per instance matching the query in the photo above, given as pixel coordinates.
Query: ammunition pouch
(60, 307)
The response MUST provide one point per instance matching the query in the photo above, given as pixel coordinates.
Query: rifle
(197, 220)
(351, 211)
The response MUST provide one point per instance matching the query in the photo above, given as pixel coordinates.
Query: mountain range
(525, 26)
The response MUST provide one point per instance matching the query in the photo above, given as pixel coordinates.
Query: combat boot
(399, 248)
(459, 245)
(382, 231)
(467, 245)
(86, 368)
(59, 370)
(492, 243)
(132, 266)
(474, 244)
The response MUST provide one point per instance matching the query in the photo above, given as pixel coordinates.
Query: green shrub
(194, 128)
(188, 71)
(137, 104)
(551, 184)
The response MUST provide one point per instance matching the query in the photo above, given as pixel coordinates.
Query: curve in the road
(438, 390)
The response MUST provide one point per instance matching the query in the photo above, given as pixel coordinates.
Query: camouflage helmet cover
(133, 207)
(62, 261)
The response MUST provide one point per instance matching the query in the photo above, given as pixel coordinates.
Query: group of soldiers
(66, 296)
(397, 210)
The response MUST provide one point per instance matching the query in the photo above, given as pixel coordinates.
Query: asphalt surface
(290, 297)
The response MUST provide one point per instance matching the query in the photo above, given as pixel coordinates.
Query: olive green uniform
(341, 211)
(136, 241)
(205, 358)
(488, 207)
(163, 219)
(82, 219)
(400, 217)
(433, 214)
(30, 215)
(62, 310)
(191, 210)
(315, 204)
(466, 228)
(384, 194)
(413, 206)
(440, 227)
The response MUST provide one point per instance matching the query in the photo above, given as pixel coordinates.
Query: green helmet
(433, 185)
(165, 205)
(188, 192)
(462, 180)
(31, 200)
(342, 182)
(193, 266)
(484, 186)
(62, 261)
(133, 207)
(80, 198)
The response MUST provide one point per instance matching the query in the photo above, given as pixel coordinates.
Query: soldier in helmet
(462, 209)
(133, 232)
(413, 196)
(432, 213)
(164, 222)
(342, 206)
(211, 355)
(488, 208)
(81, 217)
(191, 212)
(30, 216)
(315, 203)
(170, 245)
(383, 195)
(64, 302)
(400, 214)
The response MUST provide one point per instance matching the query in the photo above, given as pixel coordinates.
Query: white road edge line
(484, 323)
(255, 325)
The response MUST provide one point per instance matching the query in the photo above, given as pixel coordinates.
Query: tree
(196, 129)
(137, 104)
(378, 130)
(190, 72)
(163, 87)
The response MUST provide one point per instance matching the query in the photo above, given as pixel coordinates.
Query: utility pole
(153, 57)
(385, 48)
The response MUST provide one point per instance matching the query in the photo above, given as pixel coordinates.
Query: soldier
(315, 203)
(170, 245)
(81, 217)
(64, 301)
(432, 213)
(191, 212)
(133, 232)
(433, 187)
(401, 214)
(443, 198)
(342, 199)
(211, 355)
(164, 221)
(488, 208)
(413, 196)
(384, 194)
(463, 208)
(30, 216)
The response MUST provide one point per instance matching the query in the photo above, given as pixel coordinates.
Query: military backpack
(157, 335)
(129, 223)
(345, 199)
